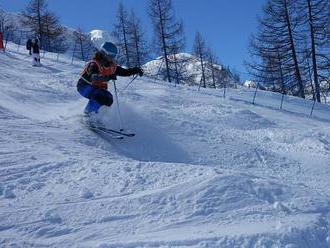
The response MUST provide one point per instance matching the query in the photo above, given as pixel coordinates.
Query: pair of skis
(116, 134)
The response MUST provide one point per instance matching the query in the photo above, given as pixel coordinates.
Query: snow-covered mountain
(192, 68)
(250, 84)
(98, 37)
(202, 171)
(193, 65)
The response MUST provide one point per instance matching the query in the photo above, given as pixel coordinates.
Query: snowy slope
(202, 171)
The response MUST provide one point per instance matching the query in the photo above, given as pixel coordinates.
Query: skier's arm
(120, 71)
(99, 77)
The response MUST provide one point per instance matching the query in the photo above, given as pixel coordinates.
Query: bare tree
(138, 47)
(274, 42)
(121, 33)
(33, 17)
(178, 60)
(7, 27)
(200, 52)
(3, 21)
(83, 45)
(44, 23)
(315, 14)
(213, 66)
(166, 30)
(54, 32)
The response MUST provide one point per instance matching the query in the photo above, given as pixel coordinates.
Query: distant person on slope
(1, 42)
(35, 53)
(97, 72)
(29, 46)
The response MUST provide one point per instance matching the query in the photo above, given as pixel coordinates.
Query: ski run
(201, 171)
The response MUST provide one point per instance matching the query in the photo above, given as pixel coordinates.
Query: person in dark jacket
(97, 72)
(1, 42)
(29, 46)
(35, 53)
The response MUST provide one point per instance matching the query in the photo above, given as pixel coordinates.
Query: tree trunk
(176, 70)
(311, 25)
(125, 39)
(281, 73)
(82, 50)
(203, 69)
(137, 47)
(293, 50)
(164, 42)
(39, 25)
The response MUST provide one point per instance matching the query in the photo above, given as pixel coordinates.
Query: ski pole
(129, 84)
(118, 109)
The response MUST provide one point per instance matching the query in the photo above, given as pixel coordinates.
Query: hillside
(191, 71)
(202, 171)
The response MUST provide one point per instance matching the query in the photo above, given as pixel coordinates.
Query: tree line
(169, 45)
(168, 42)
(290, 53)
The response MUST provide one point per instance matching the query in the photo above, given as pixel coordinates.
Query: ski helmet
(109, 49)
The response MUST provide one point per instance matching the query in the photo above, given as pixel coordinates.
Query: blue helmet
(109, 49)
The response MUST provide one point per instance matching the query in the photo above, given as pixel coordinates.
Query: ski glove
(137, 70)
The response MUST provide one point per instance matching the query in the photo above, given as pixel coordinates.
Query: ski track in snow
(202, 171)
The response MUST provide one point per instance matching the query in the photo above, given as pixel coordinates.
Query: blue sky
(225, 24)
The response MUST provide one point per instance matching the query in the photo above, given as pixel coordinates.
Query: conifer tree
(83, 45)
(277, 39)
(121, 33)
(315, 15)
(167, 31)
(42, 22)
(137, 45)
(213, 66)
(200, 51)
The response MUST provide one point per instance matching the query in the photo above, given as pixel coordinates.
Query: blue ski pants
(97, 97)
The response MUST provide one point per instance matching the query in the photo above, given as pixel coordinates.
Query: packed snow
(202, 170)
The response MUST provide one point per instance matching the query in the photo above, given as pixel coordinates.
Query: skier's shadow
(150, 142)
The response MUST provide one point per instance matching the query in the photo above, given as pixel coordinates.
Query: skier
(35, 53)
(1, 43)
(97, 72)
(29, 46)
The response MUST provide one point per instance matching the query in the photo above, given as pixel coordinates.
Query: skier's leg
(92, 107)
(97, 98)
(38, 59)
(85, 90)
(33, 59)
(103, 97)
